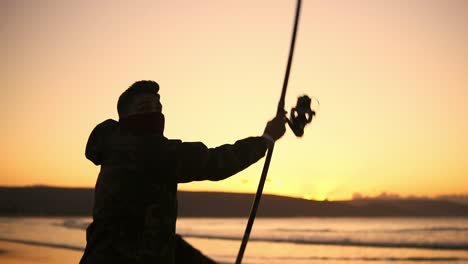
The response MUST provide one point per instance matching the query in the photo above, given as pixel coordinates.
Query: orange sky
(392, 78)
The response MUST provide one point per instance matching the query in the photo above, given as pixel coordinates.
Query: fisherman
(135, 203)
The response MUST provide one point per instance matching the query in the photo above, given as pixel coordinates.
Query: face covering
(144, 123)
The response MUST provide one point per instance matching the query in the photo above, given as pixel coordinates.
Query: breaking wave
(74, 223)
(403, 230)
(340, 242)
(41, 243)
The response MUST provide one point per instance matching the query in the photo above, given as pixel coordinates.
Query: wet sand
(16, 253)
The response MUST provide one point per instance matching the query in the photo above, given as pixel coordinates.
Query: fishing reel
(301, 115)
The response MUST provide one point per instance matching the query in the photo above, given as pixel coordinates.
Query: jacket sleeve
(197, 162)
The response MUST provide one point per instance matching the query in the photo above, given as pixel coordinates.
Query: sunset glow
(391, 77)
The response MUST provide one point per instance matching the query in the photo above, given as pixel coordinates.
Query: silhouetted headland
(53, 201)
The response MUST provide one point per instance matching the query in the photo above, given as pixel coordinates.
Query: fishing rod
(300, 116)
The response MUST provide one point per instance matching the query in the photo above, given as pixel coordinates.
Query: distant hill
(52, 201)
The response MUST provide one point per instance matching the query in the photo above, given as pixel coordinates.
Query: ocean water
(284, 240)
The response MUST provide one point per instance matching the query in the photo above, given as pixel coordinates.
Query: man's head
(140, 97)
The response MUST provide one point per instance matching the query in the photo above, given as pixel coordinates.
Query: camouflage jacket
(135, 203)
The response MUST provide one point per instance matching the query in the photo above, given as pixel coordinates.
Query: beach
(273, 240)
(17, 253)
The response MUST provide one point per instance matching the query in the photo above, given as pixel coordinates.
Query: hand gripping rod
(279, 112)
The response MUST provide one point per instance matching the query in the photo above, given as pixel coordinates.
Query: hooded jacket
(135, 203)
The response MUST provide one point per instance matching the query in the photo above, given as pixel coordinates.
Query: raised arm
(197, 162)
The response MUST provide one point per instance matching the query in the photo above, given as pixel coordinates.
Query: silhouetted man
(135, 203)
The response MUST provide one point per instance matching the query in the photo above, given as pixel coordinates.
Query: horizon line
(362, 197)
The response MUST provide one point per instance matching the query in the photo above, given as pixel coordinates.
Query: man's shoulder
(181, 146)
